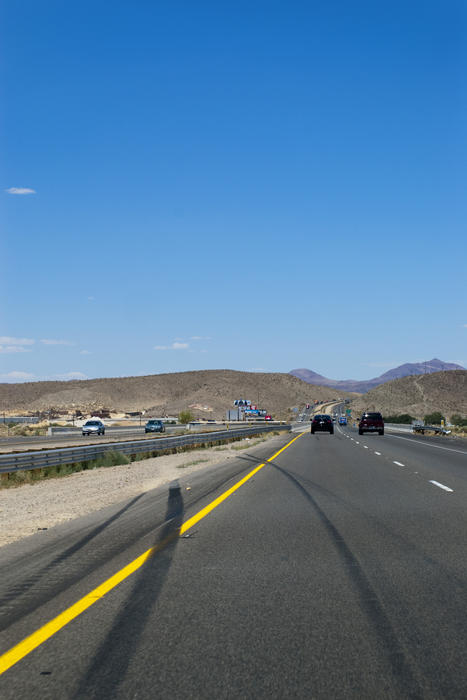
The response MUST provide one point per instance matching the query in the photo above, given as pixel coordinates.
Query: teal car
(154, 426)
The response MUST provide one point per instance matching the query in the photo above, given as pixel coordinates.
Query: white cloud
(90, 298)
(84, 352)
(4, 349)
(51, 341)
(9, 344)
(70, 375)
(20, 190)
(17, 376)
(175, 346)
(8, 340)
(200, 337)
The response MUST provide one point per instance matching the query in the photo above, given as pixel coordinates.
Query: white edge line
(399, 464)
(441, 486)
(426, 444)
(378, 453)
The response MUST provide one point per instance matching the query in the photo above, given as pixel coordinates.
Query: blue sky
(248, 185)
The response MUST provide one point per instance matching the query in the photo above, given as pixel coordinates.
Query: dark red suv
(322, 422)
(371, 423)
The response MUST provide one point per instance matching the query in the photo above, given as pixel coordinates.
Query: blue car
(342, 420)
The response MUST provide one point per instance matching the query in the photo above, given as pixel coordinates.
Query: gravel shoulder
(28, 508)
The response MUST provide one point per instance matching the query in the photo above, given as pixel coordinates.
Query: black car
(322, 422)
(154, 426)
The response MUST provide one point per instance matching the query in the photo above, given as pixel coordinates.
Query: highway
(76, 439)
(32, 442)
(312, 566)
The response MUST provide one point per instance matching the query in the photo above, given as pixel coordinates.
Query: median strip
(59, 458)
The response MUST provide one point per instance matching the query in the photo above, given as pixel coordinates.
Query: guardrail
(41, 459)
(64, 431)
(399, 427)
(415, 428)
(433, 428)
(55, 432)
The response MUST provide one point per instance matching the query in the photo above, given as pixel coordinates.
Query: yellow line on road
(18, 652)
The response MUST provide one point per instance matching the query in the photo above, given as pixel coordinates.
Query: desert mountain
(207, 393)
(417, 395)
(405, 370)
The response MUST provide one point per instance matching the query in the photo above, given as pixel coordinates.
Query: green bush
(434, 418)
(185, 417)
(111, 459)
(457, 419)
(399, 418)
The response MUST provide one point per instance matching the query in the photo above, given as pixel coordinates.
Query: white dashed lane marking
(441, 486)
(399, 464)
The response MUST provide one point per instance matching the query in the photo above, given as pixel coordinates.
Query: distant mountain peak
(405, 370)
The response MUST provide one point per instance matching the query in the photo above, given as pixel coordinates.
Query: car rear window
(372, 415)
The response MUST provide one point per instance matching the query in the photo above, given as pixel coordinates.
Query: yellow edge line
(23, 648)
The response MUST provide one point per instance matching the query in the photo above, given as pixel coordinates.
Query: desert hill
(418, 395)
(208, 393)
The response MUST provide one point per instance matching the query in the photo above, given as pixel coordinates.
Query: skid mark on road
(111, 660)
(368, 597)
(37, 638)
(59, 573)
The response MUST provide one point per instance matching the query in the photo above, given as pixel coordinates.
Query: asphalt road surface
(338, 570)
